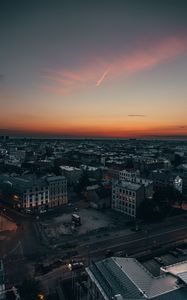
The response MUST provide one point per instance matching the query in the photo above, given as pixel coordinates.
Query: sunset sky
(93, 68)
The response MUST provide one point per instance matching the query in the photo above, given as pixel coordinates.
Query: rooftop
(128, 185)
(130, 279)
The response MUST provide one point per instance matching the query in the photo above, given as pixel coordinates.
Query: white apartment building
(33, 193)
(127, 196)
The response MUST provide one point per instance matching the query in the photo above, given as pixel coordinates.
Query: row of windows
(56, 184)
(126, 192)
(127, 204)
(35, 202)
(130, 212)
(37, 194)
(37, 198)
(41, 189)
(127, 199)
(53, 193)
(37, 189)
(57, 190)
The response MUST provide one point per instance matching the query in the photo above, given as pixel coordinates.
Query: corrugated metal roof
(130, 279)
(183, 276)
(149, 285)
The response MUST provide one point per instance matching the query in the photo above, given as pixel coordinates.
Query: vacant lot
(62, 225)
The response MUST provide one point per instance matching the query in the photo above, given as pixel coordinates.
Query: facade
(134, 176)
(35, 193)
(57, 186)
(71, 173)
(119, 278)
(127, 196)
(129, 175)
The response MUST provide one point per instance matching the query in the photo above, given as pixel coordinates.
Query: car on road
(158, 260)
(75, 266)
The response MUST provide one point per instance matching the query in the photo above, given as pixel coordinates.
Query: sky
(93, 68)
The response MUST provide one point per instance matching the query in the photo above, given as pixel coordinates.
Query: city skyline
(93, 69)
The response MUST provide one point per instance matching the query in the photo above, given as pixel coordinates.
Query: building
(57, 186)
(165, 179)
(119, 278)
(93, 172)
(71, 173)
(127, 196)
(134, 176)
(129, 175)
(34, 193)
(183, 174)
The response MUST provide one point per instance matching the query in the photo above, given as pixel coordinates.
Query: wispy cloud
(65, 81)
(137, 116)
(98, 83)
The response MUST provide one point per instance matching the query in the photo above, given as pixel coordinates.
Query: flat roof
(128, 185)
(130, 279)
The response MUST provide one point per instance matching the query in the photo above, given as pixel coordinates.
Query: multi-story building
(71, 173)
(34, 193)
(127, 196)
(129, 175)
(119, 278)
(57, 187)
(134, 176)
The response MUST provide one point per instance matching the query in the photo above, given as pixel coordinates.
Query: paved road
(31, 246)
(19, 246)
(135, 243)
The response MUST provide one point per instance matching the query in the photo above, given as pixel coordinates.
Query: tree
(150, 210)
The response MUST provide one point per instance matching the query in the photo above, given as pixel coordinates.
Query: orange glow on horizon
(113, 130)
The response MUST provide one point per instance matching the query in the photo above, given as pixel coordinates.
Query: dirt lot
(90, 220)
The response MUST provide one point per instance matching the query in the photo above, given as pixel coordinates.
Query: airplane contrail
(98, 83)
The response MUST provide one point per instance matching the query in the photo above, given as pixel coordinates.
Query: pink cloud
(65, 81)
(143, 59)
(98, 83)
